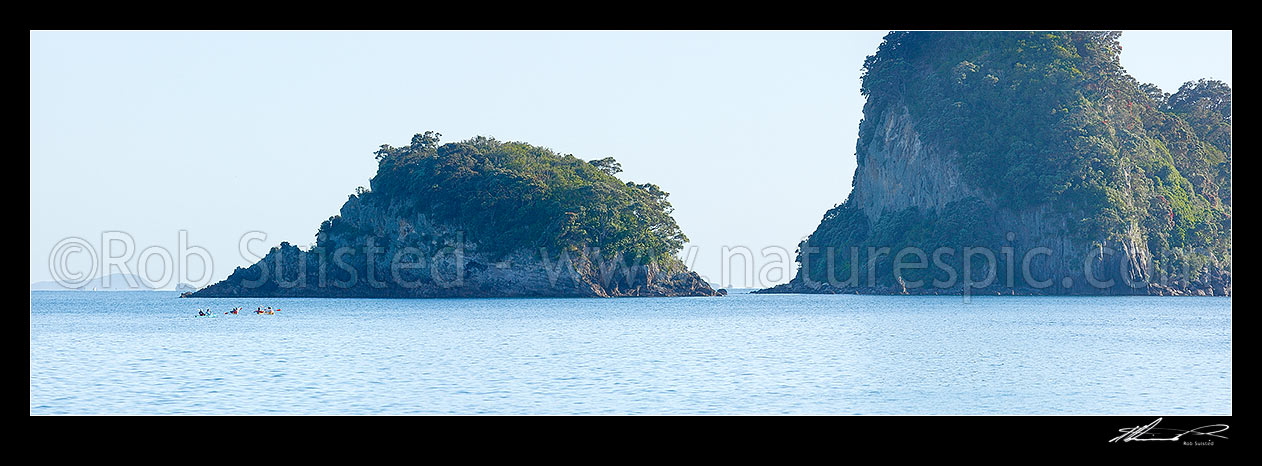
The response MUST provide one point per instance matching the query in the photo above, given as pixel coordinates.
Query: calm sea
(147, 353)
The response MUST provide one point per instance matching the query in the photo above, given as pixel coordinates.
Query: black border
(843, 438)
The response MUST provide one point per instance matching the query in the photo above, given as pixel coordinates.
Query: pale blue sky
(223, 133)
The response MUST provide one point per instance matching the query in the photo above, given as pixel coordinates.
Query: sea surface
(146, 352)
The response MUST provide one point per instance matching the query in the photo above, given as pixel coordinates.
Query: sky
(195, 152)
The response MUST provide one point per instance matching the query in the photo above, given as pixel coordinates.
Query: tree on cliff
(607, 165)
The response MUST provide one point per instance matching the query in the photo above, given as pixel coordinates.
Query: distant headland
(1027, 163)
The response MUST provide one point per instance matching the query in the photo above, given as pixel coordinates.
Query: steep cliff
(483, 218)
(1027, 163)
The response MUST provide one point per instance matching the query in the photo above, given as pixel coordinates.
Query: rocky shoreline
(288, 271)
(1214, 287)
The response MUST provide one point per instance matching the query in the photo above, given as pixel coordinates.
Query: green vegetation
(845, 234)
(509, 196)
(1051, 120)
(1041, 117)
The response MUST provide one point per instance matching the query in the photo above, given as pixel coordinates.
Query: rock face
(385, 244)
(452, 271)
(899, 171)
(915, 193)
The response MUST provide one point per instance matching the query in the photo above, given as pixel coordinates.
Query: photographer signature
(1133, 434)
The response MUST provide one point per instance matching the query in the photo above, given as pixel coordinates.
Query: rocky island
(1027, 163)
(483, 218)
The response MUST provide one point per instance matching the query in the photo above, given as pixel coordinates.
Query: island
(1027, 163)
(483, 218)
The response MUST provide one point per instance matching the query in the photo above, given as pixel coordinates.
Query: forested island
(484, 218)
(1027, 163)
